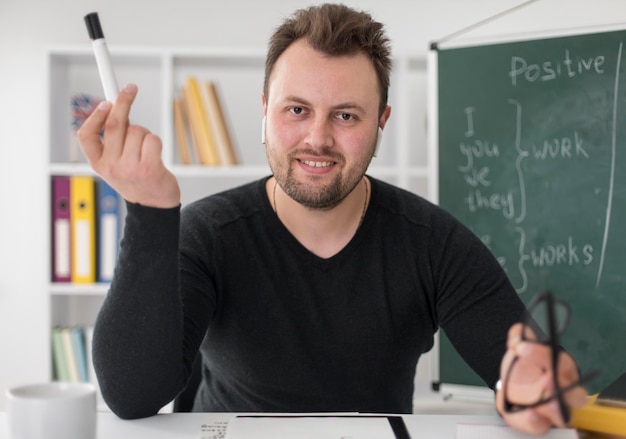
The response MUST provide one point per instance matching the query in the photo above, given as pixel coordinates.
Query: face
(322, 123)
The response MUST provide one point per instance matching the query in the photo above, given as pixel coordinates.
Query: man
(315, 289)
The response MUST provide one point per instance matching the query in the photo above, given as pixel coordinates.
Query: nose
(320, 133)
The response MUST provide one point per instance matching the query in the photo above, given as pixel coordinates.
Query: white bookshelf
(160, 72)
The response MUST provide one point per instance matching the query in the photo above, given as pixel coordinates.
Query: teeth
(317, 164)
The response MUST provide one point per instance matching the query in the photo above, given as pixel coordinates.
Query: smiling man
(314, 289)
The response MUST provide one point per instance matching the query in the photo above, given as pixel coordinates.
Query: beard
(313, 194)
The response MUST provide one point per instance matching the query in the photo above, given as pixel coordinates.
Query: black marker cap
(93, 26)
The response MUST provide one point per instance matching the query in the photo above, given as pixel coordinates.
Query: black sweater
(282, 330)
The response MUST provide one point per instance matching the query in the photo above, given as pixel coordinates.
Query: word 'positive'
(553, 69)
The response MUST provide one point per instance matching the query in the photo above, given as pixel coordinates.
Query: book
(61, 250)
(108, 230)
(80, 358)
(61, 372)
(198, 120)
(615, 393)
(83, 229)
(217, 122)
(70, 355)
(180, 130)
(91, 373)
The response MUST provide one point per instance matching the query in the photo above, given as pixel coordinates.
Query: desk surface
(195, 425)
(189, 425)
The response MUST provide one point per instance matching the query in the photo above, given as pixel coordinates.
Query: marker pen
(103, 59)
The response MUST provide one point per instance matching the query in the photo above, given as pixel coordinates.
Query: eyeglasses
(528, 383)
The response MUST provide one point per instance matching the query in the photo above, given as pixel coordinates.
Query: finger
(133, 143)
(551, 412)
(529, 421)
(118, 122)
(514, 335)
(577, 397)
(89, 133)
(152, 148)
(537, 353)
(568, 374)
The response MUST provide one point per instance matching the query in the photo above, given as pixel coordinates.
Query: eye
(346, 117)
(297, 110)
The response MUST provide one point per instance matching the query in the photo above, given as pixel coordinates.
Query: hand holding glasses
(529, 383)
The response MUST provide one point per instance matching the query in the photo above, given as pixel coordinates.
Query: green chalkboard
(532, 157)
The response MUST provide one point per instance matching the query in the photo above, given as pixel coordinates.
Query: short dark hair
(335, 30)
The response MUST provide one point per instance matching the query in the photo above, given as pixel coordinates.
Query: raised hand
(128, 157)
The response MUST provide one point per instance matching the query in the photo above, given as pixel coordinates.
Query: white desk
(188, 425)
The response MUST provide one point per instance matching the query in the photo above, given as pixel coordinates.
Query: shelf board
(252, 171)
(69, 289)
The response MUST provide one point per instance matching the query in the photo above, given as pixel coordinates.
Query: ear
(263, 130)
(379, 139)
(383, 121)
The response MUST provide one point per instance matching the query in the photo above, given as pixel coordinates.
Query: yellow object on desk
(600, 418)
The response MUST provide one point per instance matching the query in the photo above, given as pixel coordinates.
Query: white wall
(27, 27)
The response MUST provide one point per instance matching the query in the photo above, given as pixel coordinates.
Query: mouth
(317, 164)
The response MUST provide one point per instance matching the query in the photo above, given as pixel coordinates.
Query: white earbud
(379, 139)
(263, 130)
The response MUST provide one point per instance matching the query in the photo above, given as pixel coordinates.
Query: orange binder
(83, 229)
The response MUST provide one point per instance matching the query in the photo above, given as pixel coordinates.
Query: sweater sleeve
(138, 349)
(476, 302)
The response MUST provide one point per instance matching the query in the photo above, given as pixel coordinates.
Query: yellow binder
(83, 227)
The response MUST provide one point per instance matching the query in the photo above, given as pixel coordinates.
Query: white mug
(55, 410)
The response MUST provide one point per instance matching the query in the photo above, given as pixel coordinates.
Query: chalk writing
(481, 196)
(553, 69)
(477, 149)
(564, 147)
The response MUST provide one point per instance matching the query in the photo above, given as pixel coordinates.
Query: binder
(83, 229)
(108, 230)
(61, 252)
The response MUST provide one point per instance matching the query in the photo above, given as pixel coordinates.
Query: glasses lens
(546, 316)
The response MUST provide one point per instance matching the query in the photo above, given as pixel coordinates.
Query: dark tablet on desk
(614, 394)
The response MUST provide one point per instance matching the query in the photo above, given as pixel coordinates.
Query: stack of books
(71, 354)
(200, 125)
(85, 229)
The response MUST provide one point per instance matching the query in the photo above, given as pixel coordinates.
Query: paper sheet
(213, 430)
(309, 428)
(476, 431)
